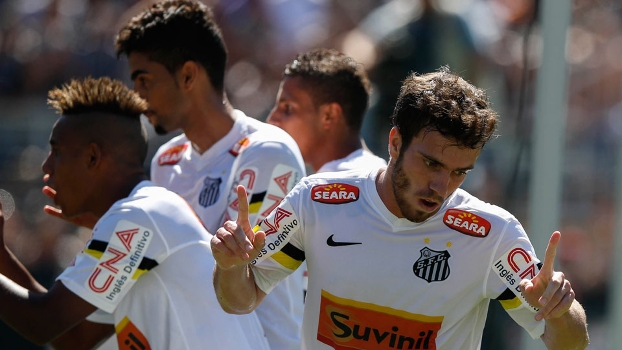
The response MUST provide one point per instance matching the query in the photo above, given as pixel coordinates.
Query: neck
(336, 151)
(209, 123)
(384, 186)
(115, 189)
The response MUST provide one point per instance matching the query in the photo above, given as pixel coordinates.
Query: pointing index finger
(551, 252)
(242, 208)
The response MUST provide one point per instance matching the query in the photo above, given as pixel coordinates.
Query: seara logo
(336, 193)
(467, 223)
(172, 155)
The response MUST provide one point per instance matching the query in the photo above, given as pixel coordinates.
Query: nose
(46, 167)
(274, 118)
(140, 91)
(440, 182)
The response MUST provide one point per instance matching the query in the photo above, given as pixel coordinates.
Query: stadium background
(496, 44)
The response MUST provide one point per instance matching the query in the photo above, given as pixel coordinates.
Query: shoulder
(259, 132)
(335, 181)
(171, 151)
(480, 217)
(359, 159)
(269, 143)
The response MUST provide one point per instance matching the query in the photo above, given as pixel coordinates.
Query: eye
(429, 162)
(287, 109)
(461, 172)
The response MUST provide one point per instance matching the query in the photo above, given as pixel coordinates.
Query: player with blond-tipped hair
(145, 263)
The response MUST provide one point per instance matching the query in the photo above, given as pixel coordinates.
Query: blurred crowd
(495, 44)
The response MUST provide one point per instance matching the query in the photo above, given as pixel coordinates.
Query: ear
(93, 155)
(187, 75)
(395, 142)
(331, 114)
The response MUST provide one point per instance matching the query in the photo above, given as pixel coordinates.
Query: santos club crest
(432, 266)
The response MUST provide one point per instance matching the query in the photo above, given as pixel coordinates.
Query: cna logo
(467, 223)
(337, 193)
(349, 324)
(239, 146)
(513, 266)
(172, 155)
(120, 261)
(129, 337)
(273, 222)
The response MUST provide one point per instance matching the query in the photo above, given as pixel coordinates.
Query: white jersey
(359, 159)
(377, 281)
(141, 267)
(267, 161)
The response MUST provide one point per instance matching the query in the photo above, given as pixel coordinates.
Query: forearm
(236, 290)
(568, 332)
(21, 310)
(14, 270)
(86, 335)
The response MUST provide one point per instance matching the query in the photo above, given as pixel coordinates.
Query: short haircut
(446, 103)
(173, 32)
(331, 76)
(110, 112)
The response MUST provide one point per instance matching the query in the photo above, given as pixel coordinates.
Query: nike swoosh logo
(332, 243)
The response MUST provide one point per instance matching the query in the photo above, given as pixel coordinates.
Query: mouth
(429, 205)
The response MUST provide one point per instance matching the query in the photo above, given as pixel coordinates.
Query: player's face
(159, 88)
(427, 172)
(295, 113)
(66, 165)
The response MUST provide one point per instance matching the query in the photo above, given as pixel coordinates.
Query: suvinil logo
(336, 193)
(172, 155)
(350, 324)
(467, 223)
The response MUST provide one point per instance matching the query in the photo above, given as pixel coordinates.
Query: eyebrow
(137, 73)
(442, 164)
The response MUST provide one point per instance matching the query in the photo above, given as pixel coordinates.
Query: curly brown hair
(331, 76)
(173, 32)
(444, 102)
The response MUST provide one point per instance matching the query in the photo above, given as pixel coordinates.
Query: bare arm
(234, 246)
(41, 317)
(18, 286)
(565, 320)
(568, 331)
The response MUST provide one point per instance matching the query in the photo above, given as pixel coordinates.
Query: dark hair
(173, 32)
(332, 76)
(96, 95)
(108, 113)
(444, 102)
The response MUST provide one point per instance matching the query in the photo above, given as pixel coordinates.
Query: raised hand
(87, 220)
(235, 243)
(549, 290)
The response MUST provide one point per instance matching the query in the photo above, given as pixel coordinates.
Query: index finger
(243, 208)
(551, 252)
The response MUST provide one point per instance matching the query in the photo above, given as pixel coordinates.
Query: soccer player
(145, 263)
(321, 103)
(177, 60)
(401, 257)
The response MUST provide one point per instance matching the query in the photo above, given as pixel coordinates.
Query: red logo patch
(467, 223)
(336, 193)
(172, 155)
(239, 147)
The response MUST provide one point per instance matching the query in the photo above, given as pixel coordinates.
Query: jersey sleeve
(268, 170)
(120, 251)
(283, 252)
(514, 260)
